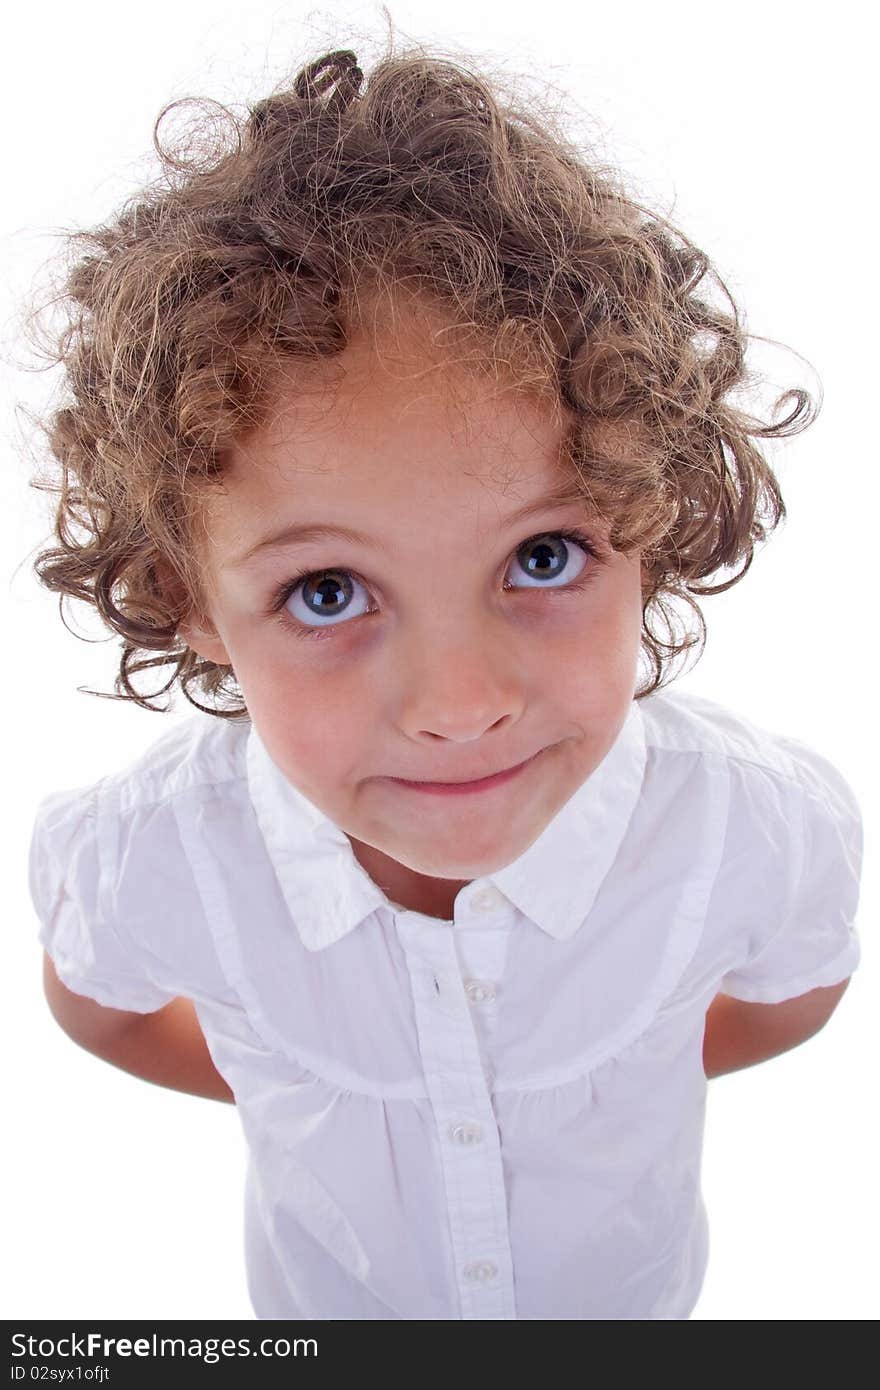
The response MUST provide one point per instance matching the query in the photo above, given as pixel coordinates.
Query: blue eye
(545, 557)
(326, 595)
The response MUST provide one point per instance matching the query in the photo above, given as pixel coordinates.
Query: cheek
(595, 684)
(594, 660)
(314, 727)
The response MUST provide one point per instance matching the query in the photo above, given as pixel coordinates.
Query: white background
(750, 128)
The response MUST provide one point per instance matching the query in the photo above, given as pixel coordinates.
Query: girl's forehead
(414, 417)
(400, 354)
(418, 448)
(371, 470)
(413, 471)
(400, 393)
(374, 420)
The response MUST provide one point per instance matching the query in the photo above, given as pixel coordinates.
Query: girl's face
(456, 635)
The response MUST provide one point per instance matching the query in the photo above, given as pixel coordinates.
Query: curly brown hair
(180, 313)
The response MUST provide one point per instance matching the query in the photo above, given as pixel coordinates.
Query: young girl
(396, 430)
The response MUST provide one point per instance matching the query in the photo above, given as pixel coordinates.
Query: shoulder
(785, 800)
(680, 722)
(790, 860)
(127, 823)
(200, 751)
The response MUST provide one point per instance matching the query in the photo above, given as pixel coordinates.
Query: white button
(486, 899)
(465, 1133)
(480, 990)
(480, 1269)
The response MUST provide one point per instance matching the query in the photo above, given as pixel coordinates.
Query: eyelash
(282, 594)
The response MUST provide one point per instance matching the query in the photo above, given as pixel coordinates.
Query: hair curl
(180, 313)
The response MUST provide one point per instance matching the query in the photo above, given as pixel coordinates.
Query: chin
(463, 865)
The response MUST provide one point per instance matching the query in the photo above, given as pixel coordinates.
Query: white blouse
(498, 1116)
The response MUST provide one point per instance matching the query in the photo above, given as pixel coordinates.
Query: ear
(644, 574)
(205, 642)
(195, 628)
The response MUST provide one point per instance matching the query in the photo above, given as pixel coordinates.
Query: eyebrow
(302, 533)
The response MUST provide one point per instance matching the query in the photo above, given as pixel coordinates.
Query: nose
(458, 687)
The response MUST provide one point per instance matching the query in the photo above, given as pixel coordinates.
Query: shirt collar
(554, 882)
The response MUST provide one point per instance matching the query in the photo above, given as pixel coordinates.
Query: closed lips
(462, 781)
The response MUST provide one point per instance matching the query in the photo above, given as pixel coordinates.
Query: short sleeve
(70, 892)
(817, 942)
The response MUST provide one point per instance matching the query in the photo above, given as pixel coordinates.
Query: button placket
(466, 1127)
(483, 949)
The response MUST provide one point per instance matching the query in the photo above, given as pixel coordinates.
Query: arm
(166, 1047)
(739, 1034)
